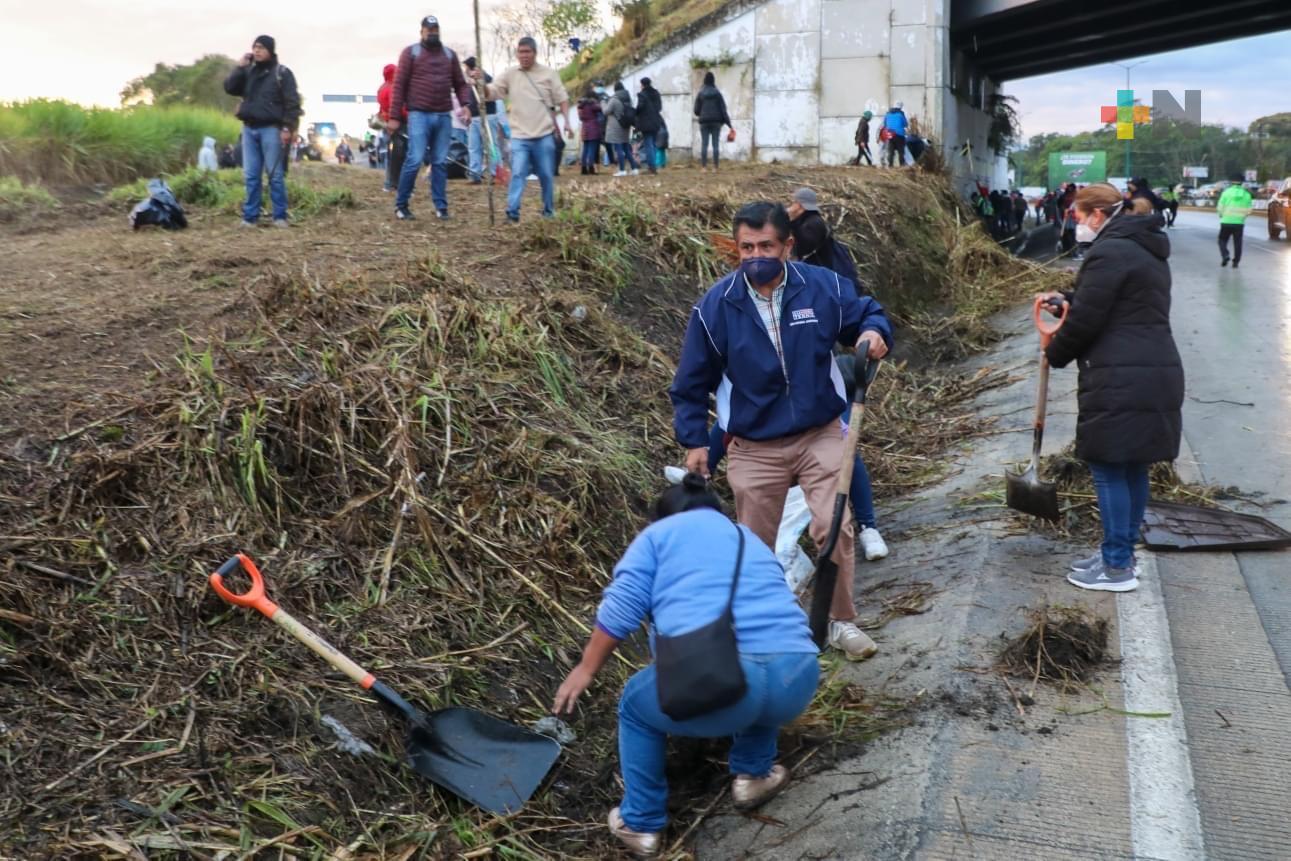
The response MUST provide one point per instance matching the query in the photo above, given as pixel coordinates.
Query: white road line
(1164, 821)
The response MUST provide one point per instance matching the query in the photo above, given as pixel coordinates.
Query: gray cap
(806, 198)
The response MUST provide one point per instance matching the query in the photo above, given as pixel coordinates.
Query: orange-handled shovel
(490, 763)
(1026, 492)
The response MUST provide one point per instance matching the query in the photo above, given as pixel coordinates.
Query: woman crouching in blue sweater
(678, 573)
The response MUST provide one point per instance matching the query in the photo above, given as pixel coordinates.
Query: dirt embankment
(435, 438)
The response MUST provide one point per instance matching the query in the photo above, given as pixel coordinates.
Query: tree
(198, 83)
(565, 19)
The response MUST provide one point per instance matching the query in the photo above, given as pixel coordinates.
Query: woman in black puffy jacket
(1130, 391)
(710, 108)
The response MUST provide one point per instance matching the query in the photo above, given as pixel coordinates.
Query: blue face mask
(761, 270)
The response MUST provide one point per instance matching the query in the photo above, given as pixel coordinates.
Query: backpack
(628, 118)
(844, 265)
(415, 51)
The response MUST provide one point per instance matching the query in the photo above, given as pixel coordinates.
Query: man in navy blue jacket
(762, 339)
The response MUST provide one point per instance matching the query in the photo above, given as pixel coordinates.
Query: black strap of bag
(699, 672)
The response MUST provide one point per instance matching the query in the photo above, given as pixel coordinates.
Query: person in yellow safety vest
(1233, 207)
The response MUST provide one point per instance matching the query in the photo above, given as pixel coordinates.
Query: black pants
(1235, 231)
(394, 159)
(896, 151)
(863, 152)
(1171, 212)
(709, 132)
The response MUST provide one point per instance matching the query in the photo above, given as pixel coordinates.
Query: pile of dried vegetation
(1061, 645)
(438, 474)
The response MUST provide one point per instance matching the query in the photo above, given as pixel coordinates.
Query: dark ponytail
(693, 493)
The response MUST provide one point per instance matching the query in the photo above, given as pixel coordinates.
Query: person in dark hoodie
(862, 139)
(398, 138)
(1130, 389)
(649, 121)
(1139, 189)
(710, 110)
(270, 112)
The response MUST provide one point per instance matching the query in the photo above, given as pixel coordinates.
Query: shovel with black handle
(826, 567)
(490, 763)
(1025, 492)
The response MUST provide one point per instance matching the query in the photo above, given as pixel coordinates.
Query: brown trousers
(761, 473)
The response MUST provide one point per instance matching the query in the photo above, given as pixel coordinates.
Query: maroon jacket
(428, 82)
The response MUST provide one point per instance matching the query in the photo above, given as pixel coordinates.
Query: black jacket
(269, 95)
(649, 111)
(710, 106)
(811, 240)
(1130, 391)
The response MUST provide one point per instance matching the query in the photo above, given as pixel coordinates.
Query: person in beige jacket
(537, 100)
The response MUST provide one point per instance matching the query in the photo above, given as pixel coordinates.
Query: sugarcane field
(677, 429)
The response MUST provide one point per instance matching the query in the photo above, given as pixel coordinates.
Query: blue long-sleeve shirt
(678, 570)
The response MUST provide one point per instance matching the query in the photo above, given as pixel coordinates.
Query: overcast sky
(1239, 81)
(85, 50)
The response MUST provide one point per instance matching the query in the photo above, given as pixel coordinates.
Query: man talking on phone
(270, 112)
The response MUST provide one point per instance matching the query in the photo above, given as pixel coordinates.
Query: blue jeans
(625, 154)
(861, 494)
(590, 148)
(532, 155)
(648, 151)
(428, 134)
(262, 152)
(780, 686)
(476, 144)
(1122, 499)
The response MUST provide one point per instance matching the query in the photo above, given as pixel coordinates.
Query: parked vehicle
(1279, 210)
(323, 137)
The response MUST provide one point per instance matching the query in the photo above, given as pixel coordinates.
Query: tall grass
(64, 143)
(18, 198)
(224, 191)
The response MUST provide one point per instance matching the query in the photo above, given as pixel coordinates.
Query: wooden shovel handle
(256, 599)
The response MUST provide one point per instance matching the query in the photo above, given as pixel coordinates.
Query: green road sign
(1080, 167)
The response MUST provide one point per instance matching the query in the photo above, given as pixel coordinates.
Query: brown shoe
(749, 792)
(641, 845)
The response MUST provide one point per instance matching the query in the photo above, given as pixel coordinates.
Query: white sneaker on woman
(873, 544)
(748, 792)
(854, 643)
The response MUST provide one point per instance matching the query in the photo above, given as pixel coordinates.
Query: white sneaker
(854, 643)
(636, 172)
(621, 173)
(873, 544)
(674, 474)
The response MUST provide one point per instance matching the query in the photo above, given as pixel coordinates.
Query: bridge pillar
(797, 74)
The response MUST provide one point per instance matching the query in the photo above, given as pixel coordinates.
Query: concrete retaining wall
(797, 74)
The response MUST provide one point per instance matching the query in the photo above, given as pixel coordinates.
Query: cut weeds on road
(439, 467)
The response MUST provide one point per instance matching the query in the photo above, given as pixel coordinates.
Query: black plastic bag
(161, 208)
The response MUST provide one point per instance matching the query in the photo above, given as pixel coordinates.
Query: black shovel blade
(492, 764)
(1029, 495)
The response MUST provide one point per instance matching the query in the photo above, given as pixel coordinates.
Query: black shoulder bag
(700, 672)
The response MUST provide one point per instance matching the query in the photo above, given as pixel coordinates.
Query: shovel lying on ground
(826, 567)
(481, 759)
(1026, 492)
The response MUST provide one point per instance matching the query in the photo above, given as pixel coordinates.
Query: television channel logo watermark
(1125, 115)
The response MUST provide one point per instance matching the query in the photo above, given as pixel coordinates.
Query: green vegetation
(17, 197)
(645, 25)
(64, 143)
(224, 190)
(1160, 150)
(197, 84)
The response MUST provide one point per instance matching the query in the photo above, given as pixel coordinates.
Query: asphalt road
(1230, 614)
